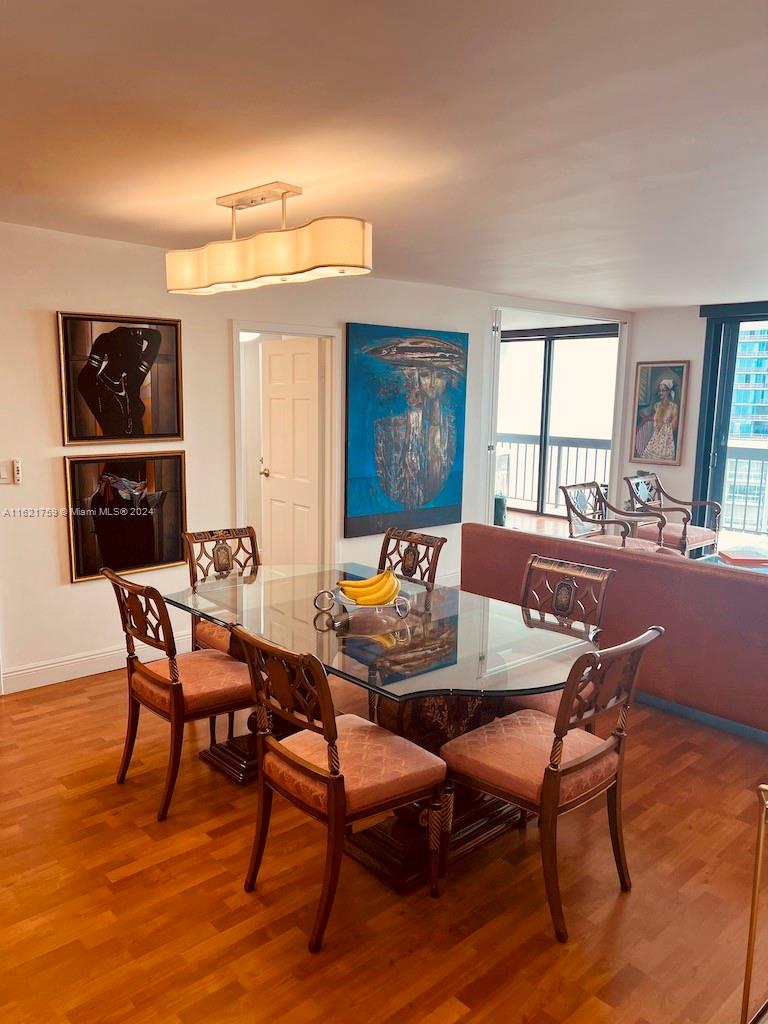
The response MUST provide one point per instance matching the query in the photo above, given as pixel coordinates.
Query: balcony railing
(745, 490)
(570, 460)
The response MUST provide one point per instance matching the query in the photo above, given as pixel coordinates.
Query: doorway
(284, 463)
(555, 408)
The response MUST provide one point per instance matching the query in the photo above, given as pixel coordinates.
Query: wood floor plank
(109, 917)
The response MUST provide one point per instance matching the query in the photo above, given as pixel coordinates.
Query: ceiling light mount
(324, 247)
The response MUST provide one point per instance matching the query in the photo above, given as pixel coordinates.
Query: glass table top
(452, 642)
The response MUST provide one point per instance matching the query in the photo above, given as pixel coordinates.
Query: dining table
(440, 663)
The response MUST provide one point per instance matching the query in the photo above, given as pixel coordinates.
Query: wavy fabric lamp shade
(325, 247)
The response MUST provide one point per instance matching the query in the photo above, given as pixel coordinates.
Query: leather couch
(714, 654)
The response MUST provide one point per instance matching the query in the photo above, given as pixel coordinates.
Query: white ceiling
(610, 152)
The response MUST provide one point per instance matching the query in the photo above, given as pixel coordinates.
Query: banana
(385, 592)
(351, 586)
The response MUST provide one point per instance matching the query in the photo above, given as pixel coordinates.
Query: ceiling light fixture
(325, 247)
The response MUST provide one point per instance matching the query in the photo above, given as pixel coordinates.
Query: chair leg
(371, 706)
(548, 831)
(212, 727)
(177, 740)
(446, 822)
(230, 725)
(617, 835)
(130, 737)
(333, 854)
(435, 829)
(260, 836)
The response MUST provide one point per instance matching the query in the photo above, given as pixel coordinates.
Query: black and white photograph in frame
(120, 377)
(126, 512)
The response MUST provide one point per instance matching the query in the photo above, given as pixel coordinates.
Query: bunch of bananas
(374, 592)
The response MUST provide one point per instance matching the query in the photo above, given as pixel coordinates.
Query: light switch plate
(6, 472)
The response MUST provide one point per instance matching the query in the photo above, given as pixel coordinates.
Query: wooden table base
(234, 757)
(397, 849)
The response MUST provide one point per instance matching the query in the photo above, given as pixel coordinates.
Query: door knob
(263, 472)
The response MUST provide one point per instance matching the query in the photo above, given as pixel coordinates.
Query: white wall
(51, 629)
(675, 333)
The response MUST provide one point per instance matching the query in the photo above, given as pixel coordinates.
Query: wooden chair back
(220, 552)
(143, 615)
(568, 591)
(292, 686)
(598, 684)
(584, 504)
(645, 490)
(412, 556)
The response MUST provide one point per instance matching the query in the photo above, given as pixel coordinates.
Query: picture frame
(125, 511)
(121, 379)
(659, 409)
(405, 415)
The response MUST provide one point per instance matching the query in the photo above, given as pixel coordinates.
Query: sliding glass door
(555, 412)
(732, 458)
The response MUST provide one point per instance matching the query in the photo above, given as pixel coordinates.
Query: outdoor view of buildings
(746, 472)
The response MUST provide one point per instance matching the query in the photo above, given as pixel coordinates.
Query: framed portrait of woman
(120, 377)
(659, 411)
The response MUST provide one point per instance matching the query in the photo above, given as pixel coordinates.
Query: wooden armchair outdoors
(551, 766)
(336, 770)
(180, 688)
(647, 495)
(590, 514)
(562, 595)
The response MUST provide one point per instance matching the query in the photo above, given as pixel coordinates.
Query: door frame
(330, 426)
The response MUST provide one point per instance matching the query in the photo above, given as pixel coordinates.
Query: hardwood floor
(108, 917)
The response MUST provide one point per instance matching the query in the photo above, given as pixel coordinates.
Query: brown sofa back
(714, 654)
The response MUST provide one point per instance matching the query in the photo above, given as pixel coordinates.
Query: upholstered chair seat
(512, 753)
(348, 698)
(630, 544)
(209, 680)
(212, 637)
(698, 536)
(378, 765)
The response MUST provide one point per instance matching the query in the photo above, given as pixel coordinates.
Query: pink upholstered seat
(377, 765)
(698, 536)
(512, 754)
(209, 635)
(348, 698)
(209, 679)
(614, 540)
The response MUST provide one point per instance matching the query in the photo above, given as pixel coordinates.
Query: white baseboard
(57, 670)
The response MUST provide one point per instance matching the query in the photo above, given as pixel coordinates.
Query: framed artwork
(405, 408)
(127, 512)
(659, 412)
(120, 378)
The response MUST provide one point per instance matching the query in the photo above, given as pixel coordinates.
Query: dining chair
(551, 766)
(220, 552)
(180, 688)
(412, 556)
(590, 513)
(336, 770)
(564, 596)
(646, 494)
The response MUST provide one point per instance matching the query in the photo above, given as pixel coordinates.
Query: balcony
(745, 490)
(571, 460)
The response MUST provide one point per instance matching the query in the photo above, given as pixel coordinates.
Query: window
(555, 412)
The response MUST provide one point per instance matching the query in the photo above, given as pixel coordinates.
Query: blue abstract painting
(406, 398)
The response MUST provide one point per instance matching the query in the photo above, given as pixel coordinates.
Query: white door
(291, 438)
